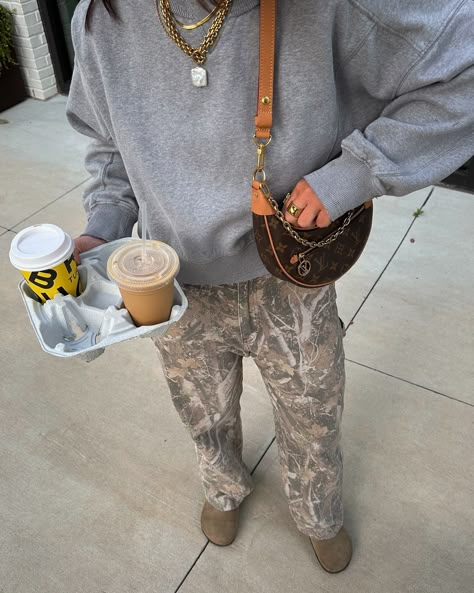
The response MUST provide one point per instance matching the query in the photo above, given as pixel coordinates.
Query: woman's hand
(85, 243)
(310, 211)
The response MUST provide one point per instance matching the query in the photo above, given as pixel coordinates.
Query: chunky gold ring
(293, 210)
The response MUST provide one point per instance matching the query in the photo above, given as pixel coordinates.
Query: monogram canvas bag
(308, 258)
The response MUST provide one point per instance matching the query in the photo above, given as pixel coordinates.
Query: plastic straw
(143, 213)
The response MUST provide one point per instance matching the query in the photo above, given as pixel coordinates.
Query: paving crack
(366, 366)
(47, 205)
(207, 543)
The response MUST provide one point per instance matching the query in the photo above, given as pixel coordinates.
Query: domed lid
(137, 267)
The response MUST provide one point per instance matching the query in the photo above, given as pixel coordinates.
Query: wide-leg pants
(295, 337)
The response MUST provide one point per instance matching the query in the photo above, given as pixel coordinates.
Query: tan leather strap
(263, 119)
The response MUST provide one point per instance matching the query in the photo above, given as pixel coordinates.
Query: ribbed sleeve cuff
(110, 222)
(343, 184)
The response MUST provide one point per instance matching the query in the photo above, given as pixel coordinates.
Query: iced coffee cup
(43, 253)
(144, 273)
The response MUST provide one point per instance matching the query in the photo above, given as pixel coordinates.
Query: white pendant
(199, 76)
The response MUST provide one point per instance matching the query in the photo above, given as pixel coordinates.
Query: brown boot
(333, 554)
(220, 527)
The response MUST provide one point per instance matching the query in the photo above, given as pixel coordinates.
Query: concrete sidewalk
(99, 491)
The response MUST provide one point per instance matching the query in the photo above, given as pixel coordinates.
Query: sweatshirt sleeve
(421, 137)
(109, 201)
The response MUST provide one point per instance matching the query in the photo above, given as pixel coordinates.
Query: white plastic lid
(131, 271)
(40, 247)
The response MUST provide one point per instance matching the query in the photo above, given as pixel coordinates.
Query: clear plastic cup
(145, 273)
(43, 253)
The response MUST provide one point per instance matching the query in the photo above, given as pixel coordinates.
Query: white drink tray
(84, 326)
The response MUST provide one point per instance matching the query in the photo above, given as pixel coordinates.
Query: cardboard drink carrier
(84, 325)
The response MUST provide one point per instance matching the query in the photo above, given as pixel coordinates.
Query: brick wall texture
(32, 49)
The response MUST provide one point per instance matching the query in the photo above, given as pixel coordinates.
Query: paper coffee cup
(43, 253)
(145, 277)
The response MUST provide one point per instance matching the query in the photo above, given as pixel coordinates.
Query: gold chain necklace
(203, 21)
(198, 54)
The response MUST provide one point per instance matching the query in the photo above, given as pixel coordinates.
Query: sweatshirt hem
(241, 267)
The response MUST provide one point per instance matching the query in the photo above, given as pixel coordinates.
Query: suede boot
(220, 527)
(333, 554)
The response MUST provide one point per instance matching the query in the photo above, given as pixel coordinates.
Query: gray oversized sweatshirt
(372, 97)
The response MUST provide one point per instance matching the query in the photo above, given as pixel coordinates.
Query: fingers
(308, 215)
(311, 210)
(298, 199)
(77, 250)
(84, 243)
(323, 219)
(300, 211)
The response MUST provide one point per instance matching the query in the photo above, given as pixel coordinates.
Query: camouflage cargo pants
(294, 336)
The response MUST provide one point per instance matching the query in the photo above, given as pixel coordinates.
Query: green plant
(418, 212)
(6, 38)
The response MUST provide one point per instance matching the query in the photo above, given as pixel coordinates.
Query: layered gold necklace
(200, 23)
(198, 54)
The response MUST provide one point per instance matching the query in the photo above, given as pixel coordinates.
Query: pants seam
(240, 318)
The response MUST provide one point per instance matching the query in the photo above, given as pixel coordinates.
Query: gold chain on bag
(281, 217)
(260, 172)
(198, 54)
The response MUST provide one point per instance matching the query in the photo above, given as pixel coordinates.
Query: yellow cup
(43, 254)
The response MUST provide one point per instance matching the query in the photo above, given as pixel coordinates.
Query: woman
(371, 98)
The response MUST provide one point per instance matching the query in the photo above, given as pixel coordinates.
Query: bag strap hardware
(259, 173)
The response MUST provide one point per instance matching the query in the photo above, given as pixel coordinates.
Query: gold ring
(293, 210)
